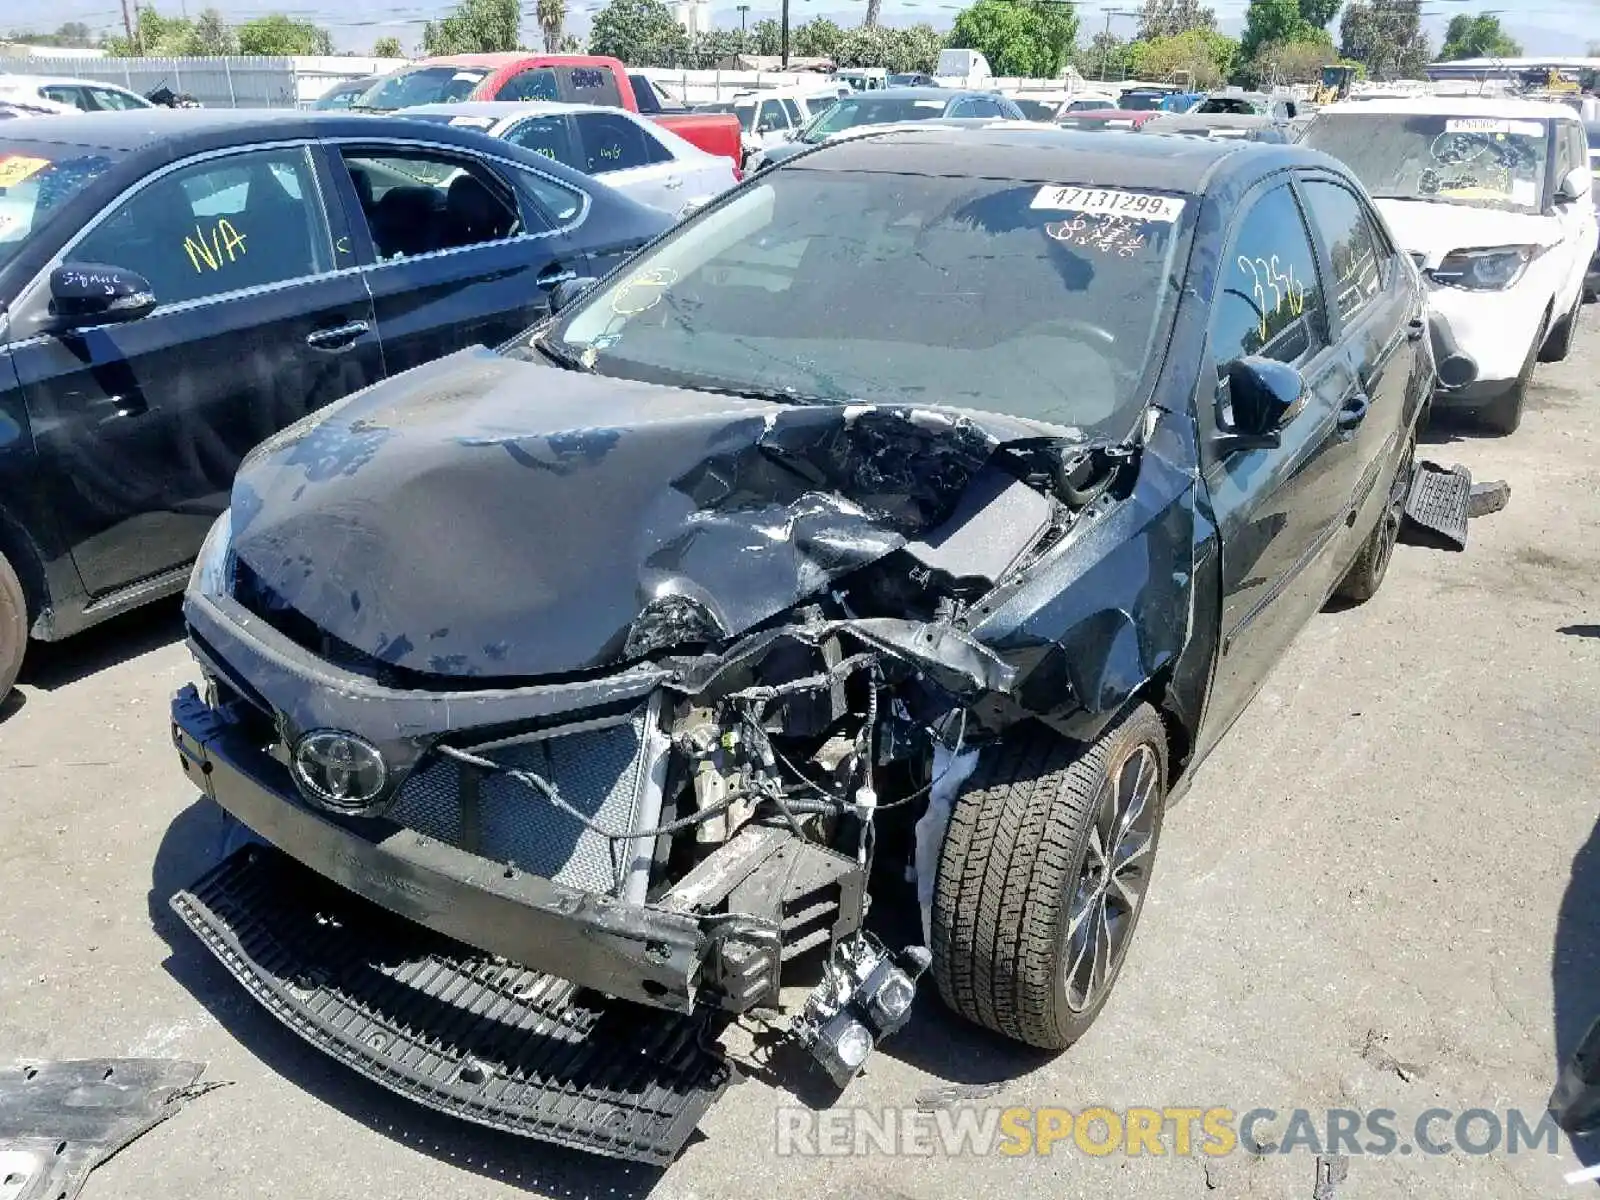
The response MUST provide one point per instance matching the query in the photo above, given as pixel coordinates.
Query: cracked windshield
(1038, 301)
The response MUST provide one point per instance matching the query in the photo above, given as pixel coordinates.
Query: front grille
(606, 770)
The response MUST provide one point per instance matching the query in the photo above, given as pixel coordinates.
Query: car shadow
(1575, 969)
(1580, 631)
(52, 665)
(1448, 427)
(193, 844)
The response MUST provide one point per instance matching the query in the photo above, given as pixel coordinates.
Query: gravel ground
(1383, 891)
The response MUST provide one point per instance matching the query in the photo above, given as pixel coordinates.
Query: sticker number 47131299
(1137, 206)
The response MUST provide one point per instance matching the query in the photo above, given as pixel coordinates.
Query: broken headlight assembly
(1492, 269)
(216, 567)
(865, 995)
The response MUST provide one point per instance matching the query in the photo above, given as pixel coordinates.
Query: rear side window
(611, 142)
(1358, 262)
(793, 110)
(217, 226)
(418, 202)
(1269, 298)
(63, 94)
(771, 118)
(589, 85)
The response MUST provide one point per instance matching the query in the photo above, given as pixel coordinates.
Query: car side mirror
(1574, 186)
(98, 294)
(1265, 395)
(568, 290)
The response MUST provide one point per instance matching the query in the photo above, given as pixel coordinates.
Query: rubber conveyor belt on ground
(450, 1027)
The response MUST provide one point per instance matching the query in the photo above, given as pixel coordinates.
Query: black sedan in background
(969, 481)
(176, 286)
(889, 106)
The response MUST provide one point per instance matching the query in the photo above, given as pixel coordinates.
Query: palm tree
(874, 8)
(551, 15)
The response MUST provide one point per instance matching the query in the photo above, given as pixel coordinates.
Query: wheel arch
(23, 553)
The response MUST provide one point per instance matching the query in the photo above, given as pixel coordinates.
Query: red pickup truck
(570, 78)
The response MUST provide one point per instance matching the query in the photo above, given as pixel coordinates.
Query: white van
(962, 69)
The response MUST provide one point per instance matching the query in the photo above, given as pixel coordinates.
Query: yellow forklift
(1336, 80)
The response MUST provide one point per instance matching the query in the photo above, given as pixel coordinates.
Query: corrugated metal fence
(230, 82)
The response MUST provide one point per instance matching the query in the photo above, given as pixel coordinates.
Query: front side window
(792, 111)
(1269, 296)
(590, 85)
(418, 202)
(537, 84)
(549, 136)
(611, 142)
(771, 119)
(216, 226)
(1357, 262)
(1484, 162)
(62, 94)
(113, 100)
(1044, 302)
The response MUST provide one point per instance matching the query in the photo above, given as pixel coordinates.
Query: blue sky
(1544, 26)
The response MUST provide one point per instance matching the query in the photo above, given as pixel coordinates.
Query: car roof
(183, 130)
(503, 110)
(1456, 106)
(920, 93)
(504, 58)
(7, 80)
(1034, 153)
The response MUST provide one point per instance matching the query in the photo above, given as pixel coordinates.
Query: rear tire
(1042, 877)
(1366, 574)
(13, 627)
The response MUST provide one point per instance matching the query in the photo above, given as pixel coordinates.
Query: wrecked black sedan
(926, 508)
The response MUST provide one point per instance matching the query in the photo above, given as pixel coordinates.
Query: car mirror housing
(98, 294)
(568, 290)
(1265, 396)
(1574, 186)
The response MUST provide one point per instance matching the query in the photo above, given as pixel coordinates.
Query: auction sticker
(1493, 125)
(14, 168)
(1138, 206)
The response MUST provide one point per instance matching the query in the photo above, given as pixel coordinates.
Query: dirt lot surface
(1383, 891)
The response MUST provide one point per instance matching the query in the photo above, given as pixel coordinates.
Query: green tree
(474, 27)
(1386, 37)
(387, 47)
(914, 48)
(1018, 37)
(817, 38)
(640, 33)
(1272, 21)
(716, 47)
(767, 37)
(1299, 61)
(155, 35)
(552, 15)
(1477, 37)
(1169, 18)
(1318, 13)
(1206, 58)
(278, 35)
(212, 36)
(1105, 57)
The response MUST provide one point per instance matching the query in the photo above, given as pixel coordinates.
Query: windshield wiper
(562, 358)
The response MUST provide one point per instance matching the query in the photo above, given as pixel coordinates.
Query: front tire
(13, 627)
(1042, 877)
(1559, 343)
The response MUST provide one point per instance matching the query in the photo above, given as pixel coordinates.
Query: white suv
(1491, 197)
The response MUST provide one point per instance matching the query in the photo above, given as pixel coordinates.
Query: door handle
(122, 407)
(552, 276)
(336, 337)
(1415, 328)
(1354, 412)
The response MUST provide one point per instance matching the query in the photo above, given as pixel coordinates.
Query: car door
(460, 249)
(141, 425)
(621, 153)
(1279, 511)
(1381, 328)
(1578, 226)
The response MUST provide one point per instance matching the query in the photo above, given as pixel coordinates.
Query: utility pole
(1105, 43)
(127, 25)
(785, 36)
(744, 11)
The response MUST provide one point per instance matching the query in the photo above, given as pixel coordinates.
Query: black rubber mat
(1437, 505)
(450, 1027)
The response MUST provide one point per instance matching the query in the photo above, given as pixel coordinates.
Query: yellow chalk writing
(1285, 290)
(215, 248)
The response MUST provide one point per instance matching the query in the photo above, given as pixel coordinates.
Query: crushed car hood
(485, 516)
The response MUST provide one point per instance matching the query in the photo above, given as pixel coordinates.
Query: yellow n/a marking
(224, 244)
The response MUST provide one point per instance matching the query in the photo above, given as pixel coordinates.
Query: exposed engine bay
(833, 612)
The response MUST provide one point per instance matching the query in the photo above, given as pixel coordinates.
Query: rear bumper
(643, 953)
